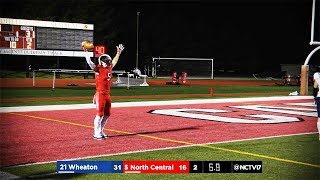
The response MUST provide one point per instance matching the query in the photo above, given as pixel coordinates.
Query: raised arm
(116, 58)
(88, 59)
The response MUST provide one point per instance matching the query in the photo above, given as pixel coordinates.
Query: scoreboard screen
(15, 36)
(62, 39)
(44, 38)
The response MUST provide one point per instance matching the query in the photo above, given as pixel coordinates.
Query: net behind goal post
(196, 68)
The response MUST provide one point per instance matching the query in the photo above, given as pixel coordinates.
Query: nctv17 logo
(247, 167)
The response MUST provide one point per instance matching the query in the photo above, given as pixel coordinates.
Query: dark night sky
(262, 34)
(259, 33)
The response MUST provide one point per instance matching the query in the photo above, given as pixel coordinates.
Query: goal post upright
(305, 67)
(312, 40)
(304, 80)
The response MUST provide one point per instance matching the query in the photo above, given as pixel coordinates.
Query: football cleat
(98, 137)
(104, 135)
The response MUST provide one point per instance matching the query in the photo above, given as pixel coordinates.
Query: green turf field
(293, 157)
(219, 92)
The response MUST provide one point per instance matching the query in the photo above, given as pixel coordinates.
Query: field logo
(258, 118)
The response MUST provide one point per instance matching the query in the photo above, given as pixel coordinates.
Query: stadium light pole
(137, 55)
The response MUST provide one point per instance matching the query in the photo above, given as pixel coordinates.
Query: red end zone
(30, 137)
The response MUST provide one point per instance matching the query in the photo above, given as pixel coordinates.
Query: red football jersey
(103, 79)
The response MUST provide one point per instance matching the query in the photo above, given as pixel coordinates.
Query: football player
(102, 100)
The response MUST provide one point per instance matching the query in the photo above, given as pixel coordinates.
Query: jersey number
(109, 76)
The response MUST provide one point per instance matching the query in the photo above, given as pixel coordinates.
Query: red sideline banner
(156, 166)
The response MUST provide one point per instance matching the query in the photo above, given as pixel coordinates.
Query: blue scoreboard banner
(89, 166)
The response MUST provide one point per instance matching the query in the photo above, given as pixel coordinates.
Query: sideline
(147, 103)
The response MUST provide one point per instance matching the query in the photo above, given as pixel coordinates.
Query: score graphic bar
(156, 166)
(159, 167)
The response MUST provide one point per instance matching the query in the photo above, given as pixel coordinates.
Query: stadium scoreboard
(13, 36)
(44, 38)
(159, 167)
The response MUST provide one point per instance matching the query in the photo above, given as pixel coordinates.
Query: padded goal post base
(304, 80)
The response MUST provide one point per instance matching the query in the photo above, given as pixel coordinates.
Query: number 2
(29, 44)
(195, 167)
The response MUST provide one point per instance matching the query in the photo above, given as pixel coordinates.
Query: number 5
(109, 76)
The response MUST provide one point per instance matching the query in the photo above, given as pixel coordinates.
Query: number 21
(63, 167)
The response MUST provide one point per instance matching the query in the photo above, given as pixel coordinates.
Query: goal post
(315, 40)
(197, 68)
(304, 80)
(315, 35)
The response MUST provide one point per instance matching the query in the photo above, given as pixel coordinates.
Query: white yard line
(147, 103)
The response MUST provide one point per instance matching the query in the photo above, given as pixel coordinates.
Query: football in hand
(87, 45)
